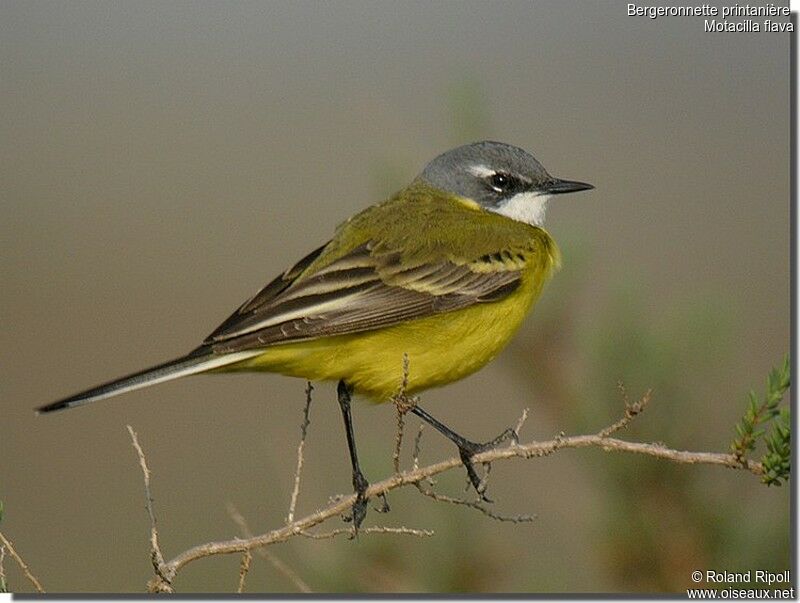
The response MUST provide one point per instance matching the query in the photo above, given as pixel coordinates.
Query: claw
(469, 449)
(359, 512)
(384, 508)
(477, 483)
(508, 434)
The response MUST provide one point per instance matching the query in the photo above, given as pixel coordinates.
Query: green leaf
(762, 414)
(777, 461)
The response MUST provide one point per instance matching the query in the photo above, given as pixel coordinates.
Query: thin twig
(473, 504)
(631, 411)
(370, 530)
(300, 448)
(521, 422)
(156, 556)
(273, 559)
(398, 438)
(244, 567)
(402, 404)
(22, 565)
(3, 585)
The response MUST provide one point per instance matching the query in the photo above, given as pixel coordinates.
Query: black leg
(360, 484)
(466, 448)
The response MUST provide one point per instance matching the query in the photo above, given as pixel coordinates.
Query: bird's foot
(467, 450)
(359, 509)
(384, 508)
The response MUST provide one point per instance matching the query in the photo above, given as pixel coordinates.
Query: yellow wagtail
(442, 273)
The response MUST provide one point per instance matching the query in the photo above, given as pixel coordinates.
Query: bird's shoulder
(421, 224)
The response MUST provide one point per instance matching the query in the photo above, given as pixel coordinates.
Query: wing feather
(269, 292)
(368, 288)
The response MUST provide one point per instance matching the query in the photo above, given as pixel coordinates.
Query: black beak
(558, 187)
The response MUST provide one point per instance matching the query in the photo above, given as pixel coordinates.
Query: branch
(402, 406)
(631, 410)
(244, 567)
(370, 530)
(156, 557)
(415, 476)
(5, 545)
(300, 447)
(3, 584)
(419, 477)
(279, 565)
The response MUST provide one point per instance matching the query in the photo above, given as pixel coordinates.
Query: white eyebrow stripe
(481, 170)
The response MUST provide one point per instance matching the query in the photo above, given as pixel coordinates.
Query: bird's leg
(360, 484)
(466, 448)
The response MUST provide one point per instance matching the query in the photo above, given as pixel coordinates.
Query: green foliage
(777, 461)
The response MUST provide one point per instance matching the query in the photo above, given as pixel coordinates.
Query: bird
(415, 292)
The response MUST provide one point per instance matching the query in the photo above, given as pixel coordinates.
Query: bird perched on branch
(437, 278)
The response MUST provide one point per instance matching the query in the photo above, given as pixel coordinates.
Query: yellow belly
(441, 349)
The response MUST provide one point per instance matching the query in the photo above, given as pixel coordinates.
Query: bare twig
(402, 404)
(3, 585)
(244, 567)
(9, 547)
(521, 422)
(474, 504)
(631, 411)
(157, 558)
(398, 439)
(273, 559)
(300, 448)
(370, 530)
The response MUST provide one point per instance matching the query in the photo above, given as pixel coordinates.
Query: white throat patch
(525, 207)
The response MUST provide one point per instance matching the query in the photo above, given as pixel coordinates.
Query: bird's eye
(500, 182)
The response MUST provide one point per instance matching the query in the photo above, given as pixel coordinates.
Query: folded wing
(369, 288)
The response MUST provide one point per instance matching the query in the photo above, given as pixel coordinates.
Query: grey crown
(513, 171)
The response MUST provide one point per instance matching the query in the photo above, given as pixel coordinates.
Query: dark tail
(175, 369)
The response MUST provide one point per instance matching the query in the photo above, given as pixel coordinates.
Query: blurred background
(162, 161)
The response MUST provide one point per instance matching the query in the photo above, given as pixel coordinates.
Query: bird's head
(499, 178)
